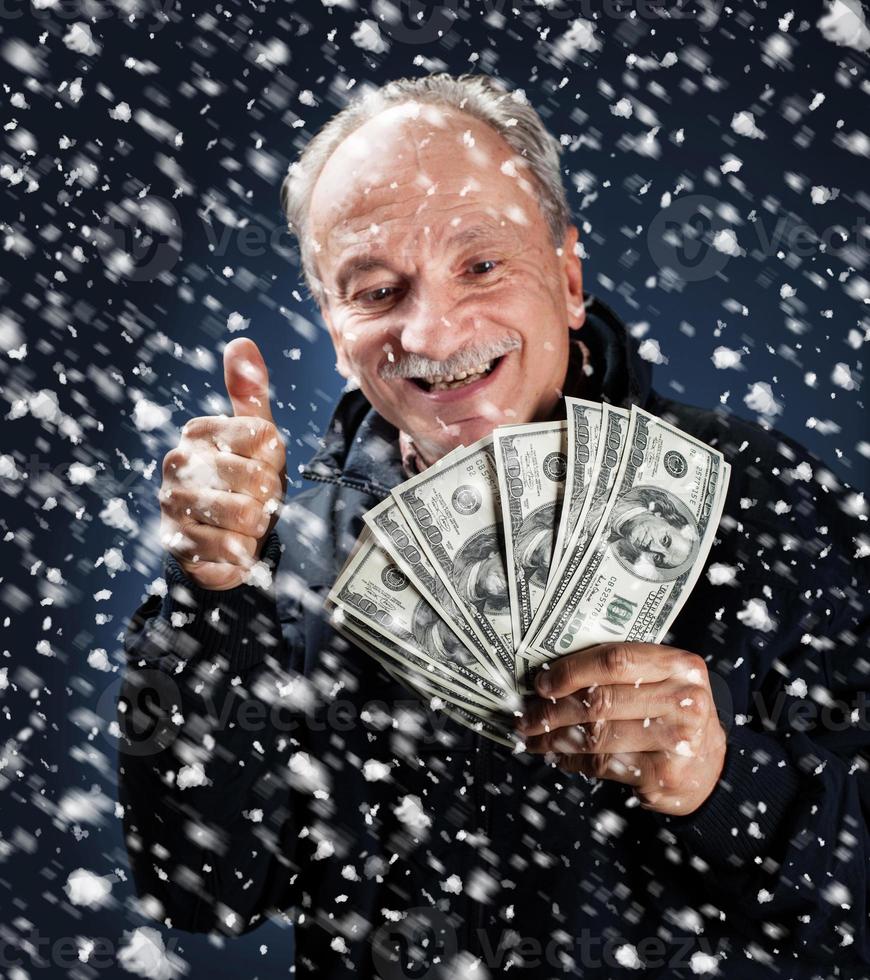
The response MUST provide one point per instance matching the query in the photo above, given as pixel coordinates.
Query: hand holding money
(531, 549)
(638, 713)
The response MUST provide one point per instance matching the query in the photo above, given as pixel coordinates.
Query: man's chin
(462, 433)
(476, 428)
(457, 425)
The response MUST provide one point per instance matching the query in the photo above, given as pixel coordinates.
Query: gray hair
(508, 112)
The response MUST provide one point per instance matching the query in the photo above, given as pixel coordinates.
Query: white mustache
(416, 366)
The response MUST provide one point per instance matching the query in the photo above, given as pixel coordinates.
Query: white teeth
(438, 382)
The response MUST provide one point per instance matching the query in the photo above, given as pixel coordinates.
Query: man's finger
(247, 379)
(222, 471)
(630, 768)
(654, 735)
(252, 437)
(608, 702)
(250, 476)
(202, 543)
(220, 508)
(609, 663)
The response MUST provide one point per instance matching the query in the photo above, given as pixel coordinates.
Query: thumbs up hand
(224, 483)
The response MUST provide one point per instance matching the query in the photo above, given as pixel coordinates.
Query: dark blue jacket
(288, 773)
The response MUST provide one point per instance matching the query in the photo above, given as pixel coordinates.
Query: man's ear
(342, 363)
(572, 279)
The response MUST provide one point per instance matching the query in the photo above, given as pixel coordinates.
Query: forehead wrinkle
(355, 229)
(490, 222)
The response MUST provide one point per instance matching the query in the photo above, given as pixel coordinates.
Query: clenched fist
(223, 484)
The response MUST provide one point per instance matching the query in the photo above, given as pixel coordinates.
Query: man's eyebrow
(474, 233)
(355, 264)
(370, 259)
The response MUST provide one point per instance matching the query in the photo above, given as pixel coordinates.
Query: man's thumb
(247, 379)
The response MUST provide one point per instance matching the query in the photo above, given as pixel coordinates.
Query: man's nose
(435, 326)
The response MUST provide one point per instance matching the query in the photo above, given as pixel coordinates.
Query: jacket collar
(360, 449)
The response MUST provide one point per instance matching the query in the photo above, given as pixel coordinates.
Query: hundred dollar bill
(492, 728)
(531, 464)
(651, 544)
(389, 526)
(584, 427)
(454, 512)
(494, 725)
(386, 652)
(614, 426)
(378, 593)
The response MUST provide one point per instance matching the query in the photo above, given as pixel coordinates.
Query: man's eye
(666, 540)
(377, 295)
(476, 267)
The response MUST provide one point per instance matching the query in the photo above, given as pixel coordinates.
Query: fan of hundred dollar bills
(539, 540)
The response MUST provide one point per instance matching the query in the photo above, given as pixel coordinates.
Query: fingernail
(543, 683)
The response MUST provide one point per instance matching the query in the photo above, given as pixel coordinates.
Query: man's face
(437, 262)
(665, 544)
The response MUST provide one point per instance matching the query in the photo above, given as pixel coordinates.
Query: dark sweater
(318, 786)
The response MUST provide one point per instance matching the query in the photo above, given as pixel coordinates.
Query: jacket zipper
(372, 489)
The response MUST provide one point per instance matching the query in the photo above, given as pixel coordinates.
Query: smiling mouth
(447, 382)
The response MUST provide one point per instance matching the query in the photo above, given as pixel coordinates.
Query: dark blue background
(100, 340)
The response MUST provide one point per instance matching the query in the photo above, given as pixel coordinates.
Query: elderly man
(435, 238)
